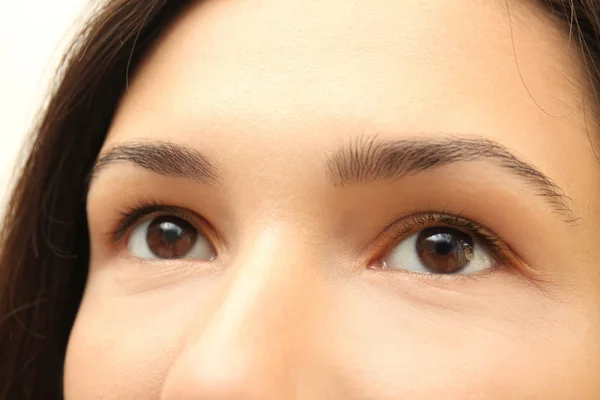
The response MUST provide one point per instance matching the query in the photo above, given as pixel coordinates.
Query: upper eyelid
(147, 209)
(392, 236)
(457, 221)
(134, 217)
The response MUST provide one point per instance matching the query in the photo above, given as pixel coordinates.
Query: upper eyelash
(144, 207)
(427, 219)
(132, 215)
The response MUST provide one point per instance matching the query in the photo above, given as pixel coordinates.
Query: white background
(33, 35)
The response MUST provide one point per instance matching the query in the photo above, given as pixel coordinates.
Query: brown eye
(441, 251)
(169, 237)
(444, 250)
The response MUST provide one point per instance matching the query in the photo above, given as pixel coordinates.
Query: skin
(292, 307)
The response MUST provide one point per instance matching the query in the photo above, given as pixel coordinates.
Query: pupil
(444, 245)
(171, 232)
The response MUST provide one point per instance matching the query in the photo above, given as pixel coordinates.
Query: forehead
(302, 71)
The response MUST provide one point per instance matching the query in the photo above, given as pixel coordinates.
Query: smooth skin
(295, 303)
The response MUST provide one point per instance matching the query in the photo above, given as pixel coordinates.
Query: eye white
(138, 245)
(404, 256)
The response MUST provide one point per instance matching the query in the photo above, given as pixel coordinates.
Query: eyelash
(423, 220)
(131, 216)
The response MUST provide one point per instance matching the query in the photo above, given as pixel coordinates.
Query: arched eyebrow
(371, 159)
(363, 160)
(165, 158)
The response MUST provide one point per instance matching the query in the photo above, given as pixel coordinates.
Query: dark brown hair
(44, 244)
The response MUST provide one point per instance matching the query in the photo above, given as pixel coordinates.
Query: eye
(440, 250)
(169, 237)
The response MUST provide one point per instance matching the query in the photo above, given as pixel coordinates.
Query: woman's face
(347, 200)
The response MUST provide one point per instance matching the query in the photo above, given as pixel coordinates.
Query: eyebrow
(365, 159)
(371, 159)
(165, 158)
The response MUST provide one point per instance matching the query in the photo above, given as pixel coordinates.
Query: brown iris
(170, 237)
(444, 250)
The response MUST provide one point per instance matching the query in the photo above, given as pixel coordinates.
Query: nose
(253, 341)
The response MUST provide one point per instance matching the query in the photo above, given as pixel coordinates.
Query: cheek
(537, 348)
(120, 349)
(364, 341)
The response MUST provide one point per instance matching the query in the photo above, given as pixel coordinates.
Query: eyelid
(143, 209)
(399, 230)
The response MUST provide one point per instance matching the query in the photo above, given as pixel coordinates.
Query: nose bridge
(247, 346)
(266, 284)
